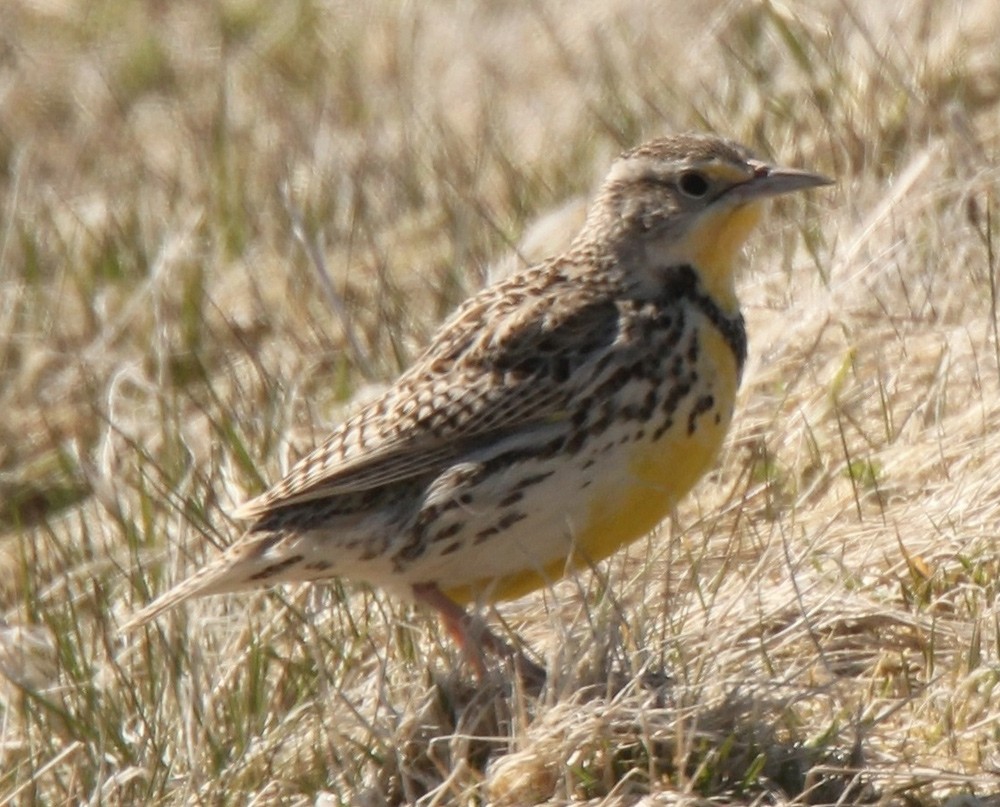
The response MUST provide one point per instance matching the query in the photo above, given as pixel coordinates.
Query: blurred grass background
(817, 625)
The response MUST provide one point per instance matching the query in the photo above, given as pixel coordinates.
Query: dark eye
(693, 184)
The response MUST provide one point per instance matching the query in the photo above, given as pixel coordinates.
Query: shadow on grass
(616, 736)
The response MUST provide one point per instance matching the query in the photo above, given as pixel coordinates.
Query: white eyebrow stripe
(635, 168)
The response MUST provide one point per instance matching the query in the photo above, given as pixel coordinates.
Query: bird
(558, 415)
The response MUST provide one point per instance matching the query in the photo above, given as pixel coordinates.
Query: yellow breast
(661, 473)
(626, 500)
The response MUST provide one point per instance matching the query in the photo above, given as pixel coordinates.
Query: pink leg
(472, 635)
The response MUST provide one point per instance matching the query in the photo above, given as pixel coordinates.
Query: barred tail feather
(235, 570)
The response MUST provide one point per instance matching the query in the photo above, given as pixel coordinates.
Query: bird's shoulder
(531, 311)
(503, 361)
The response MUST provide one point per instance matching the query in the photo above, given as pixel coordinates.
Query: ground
(224, 223)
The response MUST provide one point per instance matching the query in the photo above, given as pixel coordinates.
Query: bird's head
(688, 199)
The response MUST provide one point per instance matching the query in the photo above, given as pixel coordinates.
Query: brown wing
(497, 368)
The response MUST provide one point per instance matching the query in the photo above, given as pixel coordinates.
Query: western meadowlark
(558, 415)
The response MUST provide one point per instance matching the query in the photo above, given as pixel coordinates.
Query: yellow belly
(617, 510)
(662, 473)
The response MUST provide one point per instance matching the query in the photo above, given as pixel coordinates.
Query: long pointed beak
(770, 180)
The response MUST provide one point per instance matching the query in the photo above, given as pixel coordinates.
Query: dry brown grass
(817, 625)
